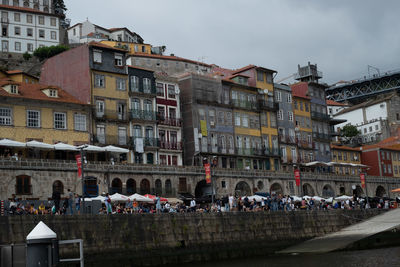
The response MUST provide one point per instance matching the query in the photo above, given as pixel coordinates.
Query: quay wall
(156, 239)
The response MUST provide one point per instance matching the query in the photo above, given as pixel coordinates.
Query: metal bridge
(356, 91)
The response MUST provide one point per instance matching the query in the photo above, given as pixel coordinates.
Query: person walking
(158, 203)
(70, 201)
(108, 204)
(77, 203)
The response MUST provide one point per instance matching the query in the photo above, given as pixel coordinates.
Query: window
(53, 35)
(29, 32)
(97, 56)
(60, 121)
(160, 89)
(41, 20)
(80, 122)
(41, 33)
(53, 22)
(53, 93)
(5, 116)
(221, 117)
(211, 117)
(376, 127)
(237, 119)
(121, 84)
(365, 130)
(245, 120)
(172, 113)
(147, 85)
(30, 47)
(289, 98)
(4, 46)
(122, 136)
(23, 185)
(17, 46)
(260, 76)
(99, 80)
(171, 91)
(33, 118)
(28, 18)
(290, 115)
(278, 96)
(161, 112)
(14, 89)
(134, 83)
(15, 2)
(17, 17)
(228, 118)
(100, 134)
(301, 105)
(202, 115)
(370, 128)
(272, 120)
(118, 60)
(280, 114)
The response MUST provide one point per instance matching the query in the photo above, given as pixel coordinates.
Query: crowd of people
(72, 205)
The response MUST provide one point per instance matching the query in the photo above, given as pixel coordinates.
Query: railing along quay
(104, 167)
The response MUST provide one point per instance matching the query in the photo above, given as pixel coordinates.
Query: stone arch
(116, 186)
(168, 187)
(308, 190)
(58, 186)
(342, 190)
(380, 191)
(202, 189)
(328, 191)
(242, 189)
(358, 192)
(276, 188)
(130, 186)
(144, 187)
(158, 187)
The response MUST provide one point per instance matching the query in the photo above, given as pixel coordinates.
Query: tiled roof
(236, 75)
(34, 92)
(334, 103)
(300, 89)
(221, 71)
(27, 9)
(140, 54)
(248, 67)
(97, 44)
(139, 68)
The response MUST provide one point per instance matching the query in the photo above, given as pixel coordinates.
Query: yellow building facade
(345, 156)
(42, 113)
(131, 48)
(395, 155)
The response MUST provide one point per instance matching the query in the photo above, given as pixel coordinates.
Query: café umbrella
(140, 198)
(397, 190)
(65, 147)
(115, 149)
(11, 143)
(37, 144)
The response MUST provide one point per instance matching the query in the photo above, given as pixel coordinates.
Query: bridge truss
(358, 90)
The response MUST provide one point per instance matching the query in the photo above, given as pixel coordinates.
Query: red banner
(79, 163)
(297, 176)
(362, 178)
(208, 173)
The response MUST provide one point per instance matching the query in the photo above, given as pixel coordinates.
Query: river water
(387, 257)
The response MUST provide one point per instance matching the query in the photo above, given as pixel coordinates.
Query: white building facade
(28, 25)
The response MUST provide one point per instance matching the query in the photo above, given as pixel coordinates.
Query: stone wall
(149, 239)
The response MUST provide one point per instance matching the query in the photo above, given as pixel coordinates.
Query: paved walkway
(348, 235)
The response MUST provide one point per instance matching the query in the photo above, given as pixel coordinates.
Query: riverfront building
(95, 74)
(28, 25)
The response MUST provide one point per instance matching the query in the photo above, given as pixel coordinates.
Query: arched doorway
(358, 192)
(144, 187)
(116, 186)
(242, 189)
(342, 191)
(168, 188)
(308, 190)
(58, 187)
(380, 191)
(91, 188)
(130, 186)
(327, 191)
(158, 187)
(276, 188)
(202, 189)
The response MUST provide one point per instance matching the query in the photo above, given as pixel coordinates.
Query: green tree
(59, 7)
(350, 131)
(49, 51)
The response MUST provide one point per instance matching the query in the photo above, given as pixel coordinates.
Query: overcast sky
(343, 37)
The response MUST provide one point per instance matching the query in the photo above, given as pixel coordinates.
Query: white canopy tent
(91, 148)
(65, 147)
(11, 143)
(256, 198)
(140, 198)
(114, 149)
(41, 145)
(344, 197)
(118, 198)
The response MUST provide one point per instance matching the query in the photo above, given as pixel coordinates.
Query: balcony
(111, 115)
(271, 152)
(250, 151)
(142, 91)
(267, 105)
(287, 139)
(148, 142)
(137, 114)
(110, 140)
(319, 116)
(170, 145)
(244, 104)
(304, 144)
(322, 136)
(169, 121)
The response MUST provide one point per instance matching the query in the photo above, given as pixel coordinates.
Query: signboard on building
(79, 164)
(207, 168)
(362, 179)
(297, 176)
